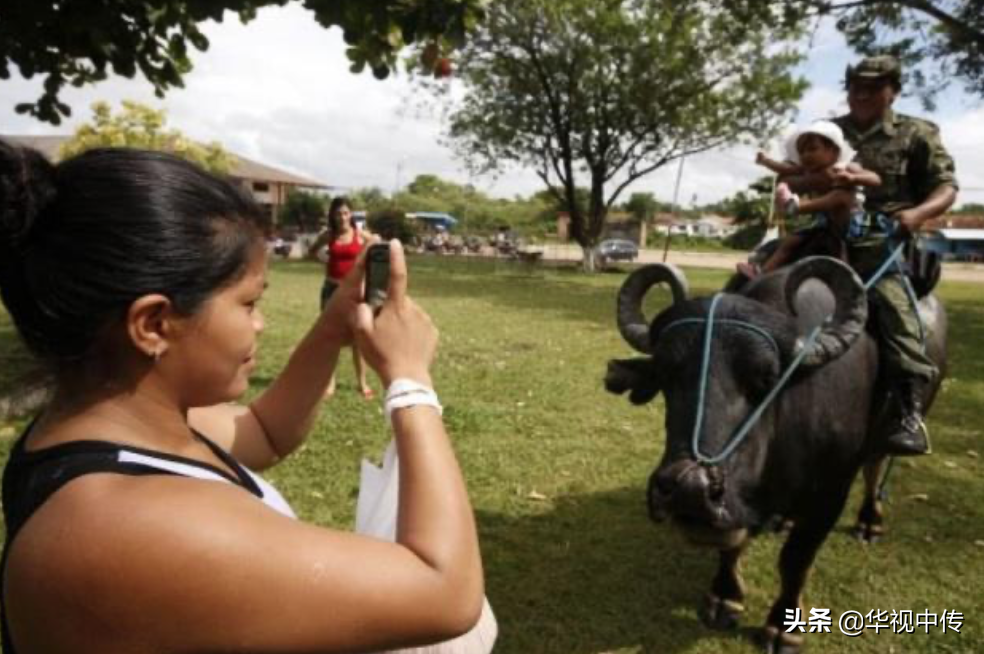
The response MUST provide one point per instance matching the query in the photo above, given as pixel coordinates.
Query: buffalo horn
(631, 320)
(843, 328)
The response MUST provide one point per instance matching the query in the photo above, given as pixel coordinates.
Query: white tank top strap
(271, 496)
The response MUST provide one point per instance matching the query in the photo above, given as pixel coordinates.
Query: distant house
(563, 226)
(954, 237)
(268, 185)
(715, 226)
(707, 226)
(955, 221)
(663, 223)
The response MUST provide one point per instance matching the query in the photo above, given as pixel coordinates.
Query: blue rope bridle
(746, 426)
(894, 257)
(741, 433)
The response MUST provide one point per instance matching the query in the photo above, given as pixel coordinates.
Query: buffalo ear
(639, 376)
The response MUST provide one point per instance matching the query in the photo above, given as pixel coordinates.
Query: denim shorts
(859, 226)
(864, 224)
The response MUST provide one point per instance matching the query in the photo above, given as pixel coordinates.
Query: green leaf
(199, 40)
(153, 36)
(380, 71)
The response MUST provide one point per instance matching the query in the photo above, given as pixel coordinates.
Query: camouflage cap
(873, 68)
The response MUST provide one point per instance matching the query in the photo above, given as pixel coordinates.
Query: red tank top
(342, 256)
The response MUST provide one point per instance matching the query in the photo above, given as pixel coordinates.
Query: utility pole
(676, 195)
(399, 168)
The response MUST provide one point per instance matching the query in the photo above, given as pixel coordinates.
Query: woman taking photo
(135, 522)
(345, 242)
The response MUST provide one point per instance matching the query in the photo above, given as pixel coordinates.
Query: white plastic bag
(375, 515)
(379, 489)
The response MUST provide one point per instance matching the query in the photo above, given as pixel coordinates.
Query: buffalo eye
(761, 370)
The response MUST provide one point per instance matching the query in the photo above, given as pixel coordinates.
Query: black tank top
(30, 478)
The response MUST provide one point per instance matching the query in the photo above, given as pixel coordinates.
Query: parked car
(617, 249)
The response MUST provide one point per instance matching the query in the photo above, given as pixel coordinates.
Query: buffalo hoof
(868, 532)
(721, 614)
(775, 641)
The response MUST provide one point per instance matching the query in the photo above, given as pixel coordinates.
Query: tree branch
(928, 8)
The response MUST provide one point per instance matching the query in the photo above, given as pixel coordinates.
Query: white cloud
(279, 90)
(964, 137)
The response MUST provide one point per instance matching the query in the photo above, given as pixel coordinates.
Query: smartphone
(377, 274)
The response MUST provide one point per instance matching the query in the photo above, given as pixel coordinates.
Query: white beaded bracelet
(403, 393)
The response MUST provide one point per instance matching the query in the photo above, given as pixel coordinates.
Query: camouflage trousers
(893, 317)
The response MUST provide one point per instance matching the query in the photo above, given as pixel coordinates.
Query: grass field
(557, 470)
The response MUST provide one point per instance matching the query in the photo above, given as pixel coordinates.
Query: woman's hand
(401, 341)
(336, 319)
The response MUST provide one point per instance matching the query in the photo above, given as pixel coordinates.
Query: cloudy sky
(278, 90)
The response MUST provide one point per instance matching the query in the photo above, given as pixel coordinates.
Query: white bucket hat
(826, 129)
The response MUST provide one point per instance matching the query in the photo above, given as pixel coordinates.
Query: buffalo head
(712, 386)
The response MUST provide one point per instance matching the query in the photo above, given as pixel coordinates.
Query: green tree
(940, 41)
(970, 209)
(140, 126)
(607, 92)
(751, 210)
(432, 185)
(548, 196)
(371, 199)
(643, 206)
(304, 210)
(77, 42)
(475, 211)
(747, 207)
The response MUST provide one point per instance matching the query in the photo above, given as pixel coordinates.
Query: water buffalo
(724, 475)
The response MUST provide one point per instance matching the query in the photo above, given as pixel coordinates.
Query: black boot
(909, 437)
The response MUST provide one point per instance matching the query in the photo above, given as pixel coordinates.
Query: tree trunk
(589, 259)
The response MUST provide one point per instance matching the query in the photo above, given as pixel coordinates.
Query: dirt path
(952, 271)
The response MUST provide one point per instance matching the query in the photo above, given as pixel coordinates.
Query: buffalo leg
(795, 562)
(870, 526)
(724, 605)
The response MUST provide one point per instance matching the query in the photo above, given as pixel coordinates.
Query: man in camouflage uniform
(918, 183)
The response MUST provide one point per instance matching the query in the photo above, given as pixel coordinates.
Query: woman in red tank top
(344, 241)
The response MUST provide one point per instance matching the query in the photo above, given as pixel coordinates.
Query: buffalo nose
(687, 490)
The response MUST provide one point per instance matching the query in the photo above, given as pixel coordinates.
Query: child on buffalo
(819, 147)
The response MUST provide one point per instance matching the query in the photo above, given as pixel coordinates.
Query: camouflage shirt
(908, 155)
